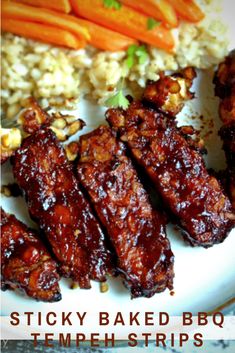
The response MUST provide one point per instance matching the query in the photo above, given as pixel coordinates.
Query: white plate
(204, 278)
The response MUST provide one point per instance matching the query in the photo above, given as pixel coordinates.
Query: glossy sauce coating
(227, 133)
(56, 202)
(169, 93)
(178, 171)
(25, 262)
(136, 231)
(224, 78)
(225, 88)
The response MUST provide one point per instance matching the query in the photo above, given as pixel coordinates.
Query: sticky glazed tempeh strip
(25, 262)
(224, 81)
(169, 93)
(136, 231)
(32, 119)
(178, 172)
(227, 133)
(56, 202)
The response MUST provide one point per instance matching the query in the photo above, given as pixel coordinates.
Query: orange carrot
(99, 36)
(27, 13)
(42, 32)
(58, 5)
(159, 10)
(125, 21)
(105, 39)
(187, 10)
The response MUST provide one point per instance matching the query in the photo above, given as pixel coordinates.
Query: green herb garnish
(142, 54)
(118, 101)
(112, 4)
(152, 23)
(135, 52)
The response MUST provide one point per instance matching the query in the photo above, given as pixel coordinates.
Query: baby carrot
(126, 21)
(58, 5)
(23, 12)
(187, 10)
(159, 10)
(105, 39)
(48, 34)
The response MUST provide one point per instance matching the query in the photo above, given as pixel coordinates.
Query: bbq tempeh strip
(169, 93)
(224, 78)
(227, 133)
(55, 201)
(25, 262)
(31, 119)
(178, 172)
(225, 88)
(137, 232)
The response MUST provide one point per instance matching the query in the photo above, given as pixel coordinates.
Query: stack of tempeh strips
(113, 207)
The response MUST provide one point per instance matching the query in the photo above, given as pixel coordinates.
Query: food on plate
(13, 10)
(45, 33)
(227, 133)
(11, 189)
(58, 5)
(27, 14)
(34, 117)
(225, 88)
(125, 21)
(178, 172)
(187, 10)
(25, 262)
(31, 118)
(82, 29)
(136, 230)
(169, 93)
(159, 10)
(128, 20)
(10, 140)
(87, 196)
(225, 76)
(57, 204)
(224, 81)
(105, 39)
(59, 76)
